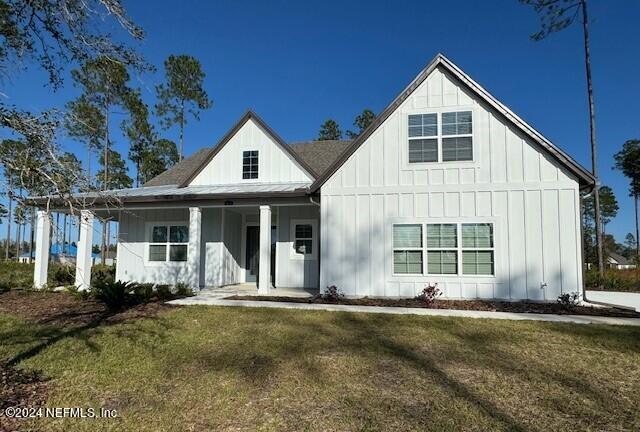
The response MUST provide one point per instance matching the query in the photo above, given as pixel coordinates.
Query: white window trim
(439, 136)
(314, 239)
(148, 233)
(425, 247)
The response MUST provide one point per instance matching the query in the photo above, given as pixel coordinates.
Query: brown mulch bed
(477, 305)
(63, 309)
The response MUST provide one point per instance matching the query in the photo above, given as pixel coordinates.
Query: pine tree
(182, 94)
(329, 130)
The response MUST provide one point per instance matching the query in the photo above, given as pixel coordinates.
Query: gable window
(169, 243)
(452, 141)
(407, 249)
(250, 164)
(450, 249)
(423, 138)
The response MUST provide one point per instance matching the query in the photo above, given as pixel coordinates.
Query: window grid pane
(304, 231)
(477, 235)
(423, 125)
(477, 262)
(442, 262)
(178, 234)
(457, 149)
(304, 246)
(159, 234)
(407, 262)
(442, 236)
(407, 236)
(457, 123)
(177, 252)
(423, 150)
(157, 253)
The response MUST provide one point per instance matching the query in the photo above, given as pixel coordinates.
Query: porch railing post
(193, 253)
(84, 255)
(43, 243)
(264, 273)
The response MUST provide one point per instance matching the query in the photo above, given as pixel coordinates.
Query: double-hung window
(250, 164)
(303, 242)
(443, 137)
(477, 249)
(449, 249)
(423, 138)
(442, 245)
(407, 249)
(169, 243)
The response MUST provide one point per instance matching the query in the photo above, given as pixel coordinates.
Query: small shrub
(102, 273)
(4, 287)
(114, 294)
(182, 290)
(569, 299)
(63, 275)
(429, 294)
(144, 292)
(163, 292)
(78, 294)
(332, 293)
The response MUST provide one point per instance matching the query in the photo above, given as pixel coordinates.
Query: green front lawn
(210, 368)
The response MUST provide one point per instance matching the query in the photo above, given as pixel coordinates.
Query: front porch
(250, 246)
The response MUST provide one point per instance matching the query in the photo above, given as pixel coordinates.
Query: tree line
(49, 35)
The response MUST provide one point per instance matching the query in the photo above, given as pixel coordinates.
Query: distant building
(65, 254)
(619, 262)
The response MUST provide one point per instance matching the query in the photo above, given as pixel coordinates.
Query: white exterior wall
(531, 200)
(294, 270)
(221, 258)
(133, 264)
(275, 165)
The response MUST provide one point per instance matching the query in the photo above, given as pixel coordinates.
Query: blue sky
(299, 63)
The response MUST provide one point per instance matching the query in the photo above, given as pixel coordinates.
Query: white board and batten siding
(275, 165)
(531, 199)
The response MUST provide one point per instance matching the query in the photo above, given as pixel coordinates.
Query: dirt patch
(19, 388)
(476, 305)
(63, 309)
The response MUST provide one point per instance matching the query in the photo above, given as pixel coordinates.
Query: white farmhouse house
(446, 186)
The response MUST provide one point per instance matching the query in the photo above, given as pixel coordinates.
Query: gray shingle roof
(180, 171)
(318, 155)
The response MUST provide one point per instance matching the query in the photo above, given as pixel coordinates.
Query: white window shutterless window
(407, 249)
(303, 238)
(168, 242)
(423, 138)
(442, 245)
(477, 249)
(250, 164)
(443, 137)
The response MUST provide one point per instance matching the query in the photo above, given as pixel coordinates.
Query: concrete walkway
(216, 298)
(621, 299)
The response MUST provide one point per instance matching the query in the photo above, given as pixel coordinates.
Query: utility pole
(592, 130)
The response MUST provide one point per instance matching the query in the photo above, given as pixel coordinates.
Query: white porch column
(43, 231)
(264, 274)
(193, 254)
(83, 259)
